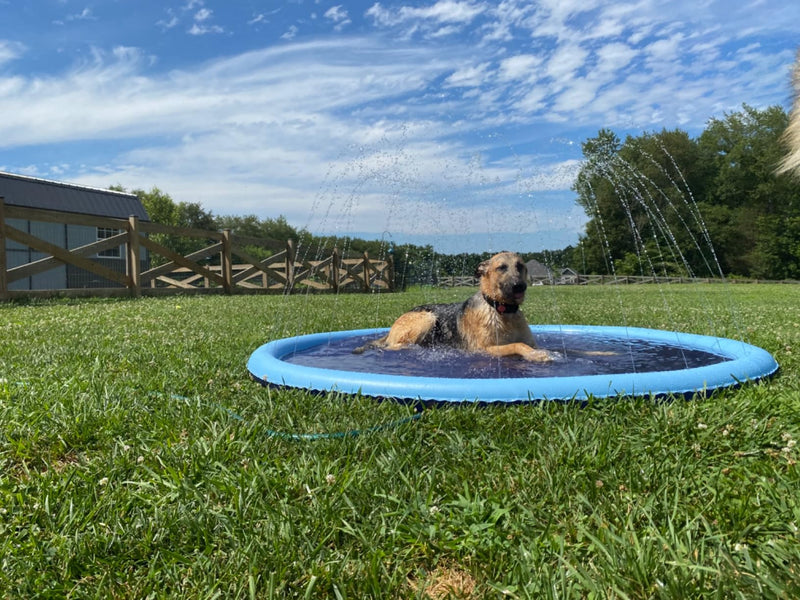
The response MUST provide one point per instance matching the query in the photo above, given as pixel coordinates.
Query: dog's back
(446, 326)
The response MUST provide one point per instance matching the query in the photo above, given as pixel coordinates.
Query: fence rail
(210, 269)
(578, 279)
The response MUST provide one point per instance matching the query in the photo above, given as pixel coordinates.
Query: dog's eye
(502, 268)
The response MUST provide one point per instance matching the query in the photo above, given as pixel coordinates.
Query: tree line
(668, 204)
(413, 264)
(658, 204)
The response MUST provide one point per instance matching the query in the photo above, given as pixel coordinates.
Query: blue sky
(449, 122)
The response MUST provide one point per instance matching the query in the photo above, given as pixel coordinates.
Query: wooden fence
(224, 265)
(577, 279)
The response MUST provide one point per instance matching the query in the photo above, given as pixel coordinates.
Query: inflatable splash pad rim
(742, 363)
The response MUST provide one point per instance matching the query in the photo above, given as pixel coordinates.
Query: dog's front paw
(537, 355)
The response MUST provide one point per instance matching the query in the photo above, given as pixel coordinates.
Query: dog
(489, 322)
(791, 137)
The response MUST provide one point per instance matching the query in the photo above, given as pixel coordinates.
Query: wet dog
(791, 137)
(489, 322)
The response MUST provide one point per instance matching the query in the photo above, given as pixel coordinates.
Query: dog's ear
(481, 269)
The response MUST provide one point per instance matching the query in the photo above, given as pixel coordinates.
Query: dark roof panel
(537, 270)
(19, 190)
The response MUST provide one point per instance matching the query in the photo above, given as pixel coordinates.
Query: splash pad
(596, 361)
(669, 240)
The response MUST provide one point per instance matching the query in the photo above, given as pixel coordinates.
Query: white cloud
(337, 14)
(614, 57)
(200, 19)
(551, 18)
(84, 15)
(606, 28)
(566, 62)
(445, 31)
(533, 101)
(380, 15)
(443, 11)
(201, 26)
(666, 49)
(10, 50)
(520, 67)
(504, 18)
(236, 131)
(470, 76)
(577, 96)
(165, 24)
(198, 29)
(290, 33)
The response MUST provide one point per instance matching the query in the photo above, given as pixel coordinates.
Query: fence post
(289, 266)
(335, 270)
(366, 271)
(390, 272)
(226, 262)
(132, 260)
(3, 259)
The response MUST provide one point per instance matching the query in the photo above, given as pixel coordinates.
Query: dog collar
(502, 307)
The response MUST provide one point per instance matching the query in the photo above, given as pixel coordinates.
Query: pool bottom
(575, 353)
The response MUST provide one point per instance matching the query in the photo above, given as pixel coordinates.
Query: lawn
(138, 460)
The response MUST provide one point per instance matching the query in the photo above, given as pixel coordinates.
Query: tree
(162, 209)
(640, 204)
(606, 232)
(742, 152)
(251, 226)
(665, 203)
(278, 231)
(159, 206)
(412, 264)
(777, 251)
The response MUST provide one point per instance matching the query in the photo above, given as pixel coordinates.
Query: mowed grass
(138, 460)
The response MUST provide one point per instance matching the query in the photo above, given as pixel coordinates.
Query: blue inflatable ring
(739, 363)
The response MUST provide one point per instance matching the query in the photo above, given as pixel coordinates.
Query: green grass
(136, 461)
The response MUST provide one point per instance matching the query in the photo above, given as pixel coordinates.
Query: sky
(455, 123)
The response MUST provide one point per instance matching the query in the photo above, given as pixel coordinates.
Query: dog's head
(503, 278)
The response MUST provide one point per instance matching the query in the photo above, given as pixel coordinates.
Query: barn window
(105, 233)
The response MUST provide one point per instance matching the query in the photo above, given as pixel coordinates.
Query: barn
(58, 198)
(538, 273)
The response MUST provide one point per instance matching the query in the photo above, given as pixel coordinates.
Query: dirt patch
(445, 582)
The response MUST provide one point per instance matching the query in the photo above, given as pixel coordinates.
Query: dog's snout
(519, 287)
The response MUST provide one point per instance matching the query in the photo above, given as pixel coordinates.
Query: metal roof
(537, 270)
(31, 192)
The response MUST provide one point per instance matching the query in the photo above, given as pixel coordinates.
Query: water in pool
(578, 354)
